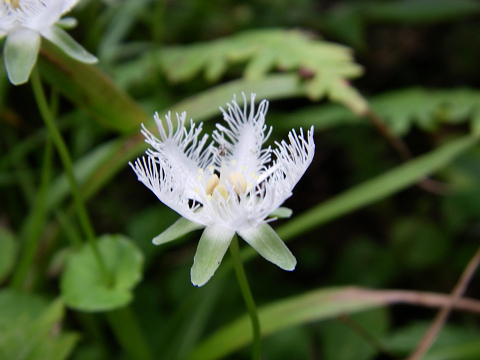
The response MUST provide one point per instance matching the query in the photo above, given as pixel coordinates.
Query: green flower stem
(247, 297)
(129, 334)
(122, 321)
(67, 164)
(34, 222)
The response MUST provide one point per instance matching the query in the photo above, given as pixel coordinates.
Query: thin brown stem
(432, 333)
(416, 298)
(403, 151)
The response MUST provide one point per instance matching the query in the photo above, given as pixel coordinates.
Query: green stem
(68, 167)
(122, 321)
(129, 334)
(34, 222)
(247, 297)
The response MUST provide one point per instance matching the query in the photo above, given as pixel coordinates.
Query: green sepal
(67, 23)
(268, 244)
(210, 251)
(65, 42)
(179, 228)
(20, 54)
(281, 213)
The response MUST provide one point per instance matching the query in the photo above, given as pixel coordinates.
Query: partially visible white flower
(23, 23)
(227, 188)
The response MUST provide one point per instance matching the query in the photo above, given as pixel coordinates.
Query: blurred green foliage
(332, 64)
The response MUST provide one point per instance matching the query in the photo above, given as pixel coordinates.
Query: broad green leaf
(29, 329)
(306, 308)
(181, 227)
(83, 284)
(267, 243)
(8, 254)
(210, 251)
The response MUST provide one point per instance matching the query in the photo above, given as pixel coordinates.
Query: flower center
(235, 178)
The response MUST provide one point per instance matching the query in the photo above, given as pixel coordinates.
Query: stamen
(212, 183)
(13, 3)
(222, 190)
(239, 182)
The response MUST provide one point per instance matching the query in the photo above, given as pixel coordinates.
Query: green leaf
(453, 342)
(419, 244)
(400, 109)
(312, 306)
(181, 227)
(210, 251)
(343, 341)
(90, 89)
(378, 188)
(14, 305)
(8, 254)
(83, 285)
(267, 243)
(30, 329)
(328, 66)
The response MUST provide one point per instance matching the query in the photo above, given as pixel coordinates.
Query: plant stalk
(247, 297)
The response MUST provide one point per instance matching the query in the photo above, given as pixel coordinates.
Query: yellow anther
(239, 182)
(200, 171)
(13, 3)
(199, 177)
(222, 190)
(233, 162)
(244, 168)
(211, 184)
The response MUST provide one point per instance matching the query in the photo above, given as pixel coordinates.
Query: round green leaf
(85, 287)
(8, 253)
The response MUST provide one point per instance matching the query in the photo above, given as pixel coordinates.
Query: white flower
(23, 22)
(227, 188)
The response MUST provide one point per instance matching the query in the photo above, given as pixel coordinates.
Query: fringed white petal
(244, 137)
(292, 160)
(161, 181)
(180, 151)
